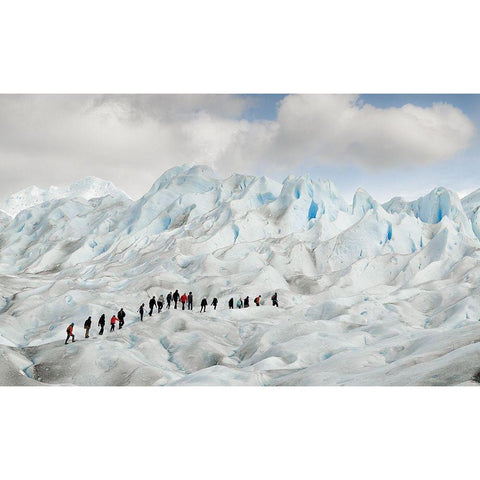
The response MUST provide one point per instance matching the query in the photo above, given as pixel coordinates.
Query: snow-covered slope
(4, 219)
(433, 207)
(369, 294)
(87, 188)
(471, 205)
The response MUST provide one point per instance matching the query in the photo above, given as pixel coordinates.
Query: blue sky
(263, 106)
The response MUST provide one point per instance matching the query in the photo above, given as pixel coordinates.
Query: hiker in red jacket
(183, 299)
(112, 323)
(70, 333)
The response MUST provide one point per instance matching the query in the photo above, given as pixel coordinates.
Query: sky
(390, 145)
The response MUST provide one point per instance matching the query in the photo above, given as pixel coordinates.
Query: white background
(242, 47)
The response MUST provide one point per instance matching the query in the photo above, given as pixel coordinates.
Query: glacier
(369, 293)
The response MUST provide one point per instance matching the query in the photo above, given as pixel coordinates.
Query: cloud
(128, 139)
(132, 139)
(340, 128)
(174, 107)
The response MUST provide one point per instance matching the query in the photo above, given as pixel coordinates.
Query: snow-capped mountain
(369, 293)
(88, 188)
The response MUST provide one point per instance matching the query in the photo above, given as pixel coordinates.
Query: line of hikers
(172, 298)
(120, 318)
(188, 300)
(245, 303)
(153, 303)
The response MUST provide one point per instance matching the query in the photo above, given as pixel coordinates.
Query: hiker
(160, 303)
(183, 299)
(257, 300)
(70, 333)
(121, 318)
(141, 310)
(87, 325)
(101, 323)
(214, 303)
(274, 300)
(175, 297)
(169, 300)
(152, 304)
(112, 323)
(230, 304)
(190, 301)
(239, 303)
(246, 302)
(203, 305)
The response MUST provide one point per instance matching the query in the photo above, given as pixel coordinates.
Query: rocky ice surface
(369, 294)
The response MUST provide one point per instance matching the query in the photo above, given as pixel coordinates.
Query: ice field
(369, 294)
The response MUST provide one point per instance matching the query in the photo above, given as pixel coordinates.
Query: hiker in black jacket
(87, 325)
(190, 301)
(152, 304)
(176, 296)
(275, 300)
(121, 318)
(169, 300)
(101, 323)
(214, 303)
(141, 310)
(203, 305)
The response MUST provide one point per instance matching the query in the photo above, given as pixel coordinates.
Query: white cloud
(172, 107)
(132, 139)
(338, 128)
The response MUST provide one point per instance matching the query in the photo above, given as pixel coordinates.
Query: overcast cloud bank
(131, 139)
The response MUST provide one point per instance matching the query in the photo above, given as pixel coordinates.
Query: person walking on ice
(176, 296)
(152, 304)
(190, 301)
(203, 305)
(169, 300)
(230, 304)
(112, 323)
(101, 323)
(160, 303)
(275, 300)
(70, 333)
(246, 302)
(215, 303)
(121, 318)
(87, 325)
(183, 299)
(141, 310)
(239, 303)
(257, 300)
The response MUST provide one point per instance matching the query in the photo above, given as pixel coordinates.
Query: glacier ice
(369, 294)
